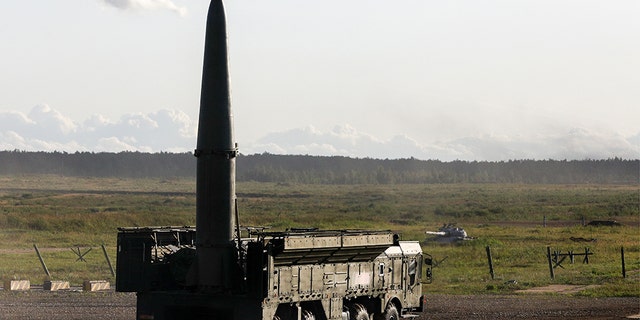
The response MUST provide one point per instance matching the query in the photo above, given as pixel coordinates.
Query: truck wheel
(359, 312)
(308, 315)
(391, 313)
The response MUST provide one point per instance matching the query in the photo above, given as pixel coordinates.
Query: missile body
(216, 159)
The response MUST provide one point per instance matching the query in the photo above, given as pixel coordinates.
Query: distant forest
(325, 170)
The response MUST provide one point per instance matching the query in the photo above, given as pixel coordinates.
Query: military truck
(213, 271)
(296, 274)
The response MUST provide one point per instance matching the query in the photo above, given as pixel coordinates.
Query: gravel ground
(37, 304)
(529, 307)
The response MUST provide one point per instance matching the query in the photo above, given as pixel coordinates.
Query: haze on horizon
(468, 80)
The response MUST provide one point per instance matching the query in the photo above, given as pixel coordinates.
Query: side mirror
(428, 260)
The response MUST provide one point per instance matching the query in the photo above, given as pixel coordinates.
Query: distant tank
(215, 272)
(449, 233)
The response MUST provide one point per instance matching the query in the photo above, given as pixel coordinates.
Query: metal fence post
(490, 262)
(624, 271)
(550, 263)
(106, 256)
(44, 266)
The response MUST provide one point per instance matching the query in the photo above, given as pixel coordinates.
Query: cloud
(594, 145)
(170, 130)
(46, 129)
(12, 120)
(114, 144)
(42, 122)
(138, 5)
(345, 140)
(11, 140)
(574, 144)
(162, 130)
(51, 120)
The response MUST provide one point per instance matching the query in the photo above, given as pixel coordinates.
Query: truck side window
(381, 270)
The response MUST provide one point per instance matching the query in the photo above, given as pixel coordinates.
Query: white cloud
(347, 141)
(315, 149)
(38, 144)
(156, 131)
(10, 140)
(594, 145)
(147, 5)
(95, 122)
(13, 117)
(46, 129)
(114, 144)
(51, 120)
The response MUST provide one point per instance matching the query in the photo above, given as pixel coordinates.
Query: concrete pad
(95, 285)
(55, 285)
(17, 285)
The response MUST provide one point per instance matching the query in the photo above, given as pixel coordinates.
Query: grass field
(58, 213)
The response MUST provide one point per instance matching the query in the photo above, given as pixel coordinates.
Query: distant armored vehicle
(449, 233)
(213, 272)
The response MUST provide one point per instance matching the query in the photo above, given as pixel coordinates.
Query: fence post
(550, 263)
(106, 256)
(586, 255)
(624, 271)
(44, 266)
(490, 262)
(571, 256)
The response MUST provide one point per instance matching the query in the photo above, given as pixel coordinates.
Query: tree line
(325, 170)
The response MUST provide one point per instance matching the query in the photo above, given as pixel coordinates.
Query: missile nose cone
(215, 111)
(216, 17)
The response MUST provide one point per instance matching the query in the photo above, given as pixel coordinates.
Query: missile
(216, 154)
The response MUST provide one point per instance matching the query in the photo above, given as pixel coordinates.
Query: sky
(487, 80)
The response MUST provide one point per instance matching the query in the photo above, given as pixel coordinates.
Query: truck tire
(391, 313)
(308, 315)
(359, 312)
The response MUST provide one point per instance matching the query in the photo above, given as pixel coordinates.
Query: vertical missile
(216, 152)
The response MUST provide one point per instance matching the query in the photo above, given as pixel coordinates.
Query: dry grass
(62, 212)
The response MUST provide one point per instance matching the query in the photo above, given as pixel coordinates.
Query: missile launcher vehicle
(296, 274)
(218, 271)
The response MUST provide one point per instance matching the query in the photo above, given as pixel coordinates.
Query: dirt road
(37, 304)
(529, 307)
